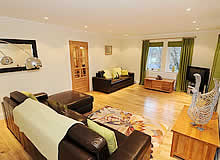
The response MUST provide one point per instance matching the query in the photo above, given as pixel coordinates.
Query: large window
(173, 56)
(164, 56)
(154, 56)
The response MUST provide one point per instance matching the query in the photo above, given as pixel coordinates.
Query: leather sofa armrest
(136, 146)
(71, 151)
(18, 97)
(41, 96)
(89, 140)
(130, 74)
(76, 116)
(101, 84)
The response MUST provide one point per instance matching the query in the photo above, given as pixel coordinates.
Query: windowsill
(170, 72)
(162, 71)
(153, 71)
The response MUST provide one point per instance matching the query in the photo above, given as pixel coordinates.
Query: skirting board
(1, 116)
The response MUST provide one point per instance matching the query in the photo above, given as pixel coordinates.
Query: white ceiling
(133, 17)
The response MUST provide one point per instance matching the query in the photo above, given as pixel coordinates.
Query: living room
(109, 24)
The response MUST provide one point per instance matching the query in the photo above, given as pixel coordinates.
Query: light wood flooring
(158, 106)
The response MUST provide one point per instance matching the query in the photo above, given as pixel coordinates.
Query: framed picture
(108, 50)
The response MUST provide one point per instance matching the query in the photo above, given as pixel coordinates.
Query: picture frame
(108, 50)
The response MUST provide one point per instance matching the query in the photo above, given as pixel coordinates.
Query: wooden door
(79, 65)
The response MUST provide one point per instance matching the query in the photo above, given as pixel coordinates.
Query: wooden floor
(159, 106)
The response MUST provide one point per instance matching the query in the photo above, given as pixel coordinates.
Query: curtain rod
(169, 38)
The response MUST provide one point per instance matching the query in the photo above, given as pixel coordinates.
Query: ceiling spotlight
(197, 28)
(85, 26)
(46, 18)
(85, 31)
(188, 9)
(194, 22)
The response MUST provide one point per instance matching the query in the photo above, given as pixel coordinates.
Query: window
(173, 59)
(154, 56)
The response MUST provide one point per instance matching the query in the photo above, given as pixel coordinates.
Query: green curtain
(145, 49)
(156, 44)
(185, 61)
(215, 73)
(175, 44)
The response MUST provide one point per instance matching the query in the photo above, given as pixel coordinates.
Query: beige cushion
(107, 74)
(106, 133)
(30, 95)
(124, 72)
(116, 70)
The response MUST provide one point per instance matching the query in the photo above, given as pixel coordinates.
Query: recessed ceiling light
(188, 9)
(85, 26)
(85, 31)
(46, 18)
(193, 22)
(197, 28)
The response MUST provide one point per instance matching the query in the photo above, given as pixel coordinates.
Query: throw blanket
(44, 127)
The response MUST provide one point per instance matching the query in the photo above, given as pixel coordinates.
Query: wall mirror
(18, 50)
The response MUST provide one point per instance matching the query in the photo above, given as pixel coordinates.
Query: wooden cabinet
(165, 85)
(79, 65)
(190, 143)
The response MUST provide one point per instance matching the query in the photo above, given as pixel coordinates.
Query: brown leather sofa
(111, 85)
(80, 143)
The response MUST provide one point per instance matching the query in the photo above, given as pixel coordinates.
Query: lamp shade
(6, 60)
(32, 63)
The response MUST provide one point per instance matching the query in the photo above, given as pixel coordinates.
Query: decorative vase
(202, 107)
(173, 69)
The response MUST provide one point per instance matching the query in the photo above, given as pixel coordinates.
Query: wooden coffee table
(190, 143)
(166, 85)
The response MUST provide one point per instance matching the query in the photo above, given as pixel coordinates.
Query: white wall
(204, 49)
(53, 50)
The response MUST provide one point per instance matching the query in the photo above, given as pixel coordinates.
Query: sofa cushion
(119, 136)
(106, 133)
(116, 81)
(115, 75)
(107, 74)
(124, 72)
(116, 70)
(30, 95)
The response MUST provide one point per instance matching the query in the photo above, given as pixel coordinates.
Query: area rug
(126, 123)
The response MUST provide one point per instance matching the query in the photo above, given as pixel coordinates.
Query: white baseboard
(136, 81)
(1, 116)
